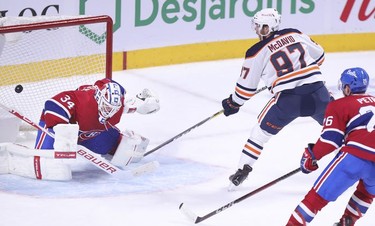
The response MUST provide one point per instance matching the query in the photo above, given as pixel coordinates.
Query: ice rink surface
(194, 169)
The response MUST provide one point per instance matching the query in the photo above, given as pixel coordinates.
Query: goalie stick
(196, 219)
(193, 127)
(88, 155)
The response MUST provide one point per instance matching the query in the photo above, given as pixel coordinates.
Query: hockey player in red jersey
(348, 125)
(97, 109)
(288, 63)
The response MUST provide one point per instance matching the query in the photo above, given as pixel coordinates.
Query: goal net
(42, 56)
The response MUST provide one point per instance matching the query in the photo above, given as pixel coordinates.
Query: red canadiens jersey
(79, 107)
(349, 122)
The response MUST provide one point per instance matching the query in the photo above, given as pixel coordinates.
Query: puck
(18, 88)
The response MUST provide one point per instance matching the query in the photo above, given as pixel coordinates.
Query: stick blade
(137, 171)
(145, 168)
(188, 213)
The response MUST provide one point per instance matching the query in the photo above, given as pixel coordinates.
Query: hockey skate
(240, 175)
(345, 221)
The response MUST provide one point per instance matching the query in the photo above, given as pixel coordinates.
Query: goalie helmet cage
(45, 55)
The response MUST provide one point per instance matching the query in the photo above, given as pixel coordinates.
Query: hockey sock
(358, 203)
(307, 209)
(250, 153)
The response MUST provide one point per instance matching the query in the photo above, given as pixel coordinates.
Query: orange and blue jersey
(285, 60)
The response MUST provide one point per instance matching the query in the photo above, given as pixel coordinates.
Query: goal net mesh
(42, 56)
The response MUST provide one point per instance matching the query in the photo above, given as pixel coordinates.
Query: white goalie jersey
(285, 60)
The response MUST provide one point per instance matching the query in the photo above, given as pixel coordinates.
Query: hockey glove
(147, 102)
(308, 160)
(230, 107)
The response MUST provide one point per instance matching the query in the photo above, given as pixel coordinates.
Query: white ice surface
(194, 169)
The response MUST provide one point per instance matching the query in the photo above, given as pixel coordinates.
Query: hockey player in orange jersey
(288, 63)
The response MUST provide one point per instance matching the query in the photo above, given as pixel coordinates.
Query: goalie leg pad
(140, 150)
(40, 168)
(23, 161)
(66, 136)
(130, 150)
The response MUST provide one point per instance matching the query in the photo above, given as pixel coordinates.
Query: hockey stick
(193, 127)
(198, 219)
(87, 154)
(183, 133)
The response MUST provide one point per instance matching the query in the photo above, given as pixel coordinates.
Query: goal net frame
(60, 22)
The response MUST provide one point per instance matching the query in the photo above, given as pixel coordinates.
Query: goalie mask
(109, 100)
(269, 17)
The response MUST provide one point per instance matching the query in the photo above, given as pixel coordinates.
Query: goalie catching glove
(145, 102)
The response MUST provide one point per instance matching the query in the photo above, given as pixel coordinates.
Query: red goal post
(44, 55)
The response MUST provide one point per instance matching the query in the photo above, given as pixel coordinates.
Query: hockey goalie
(85, 117)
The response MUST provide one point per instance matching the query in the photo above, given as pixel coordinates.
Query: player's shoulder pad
(70, 93)
(253, 50)
(289, 30)
(338, 104)
(85, 88)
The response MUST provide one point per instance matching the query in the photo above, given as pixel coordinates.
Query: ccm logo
(97, 162)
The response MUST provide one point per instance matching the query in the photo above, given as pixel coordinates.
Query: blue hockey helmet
(356, 78)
